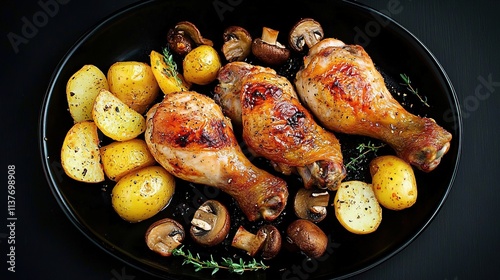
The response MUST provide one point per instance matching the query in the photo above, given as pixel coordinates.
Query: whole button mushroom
(164, 235)
(210, 224)
(268, 49)
(308, 237)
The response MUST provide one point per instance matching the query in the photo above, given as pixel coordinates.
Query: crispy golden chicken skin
(342, 88)
(191, 138)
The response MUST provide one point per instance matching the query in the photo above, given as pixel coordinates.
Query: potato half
(116, 119)
(356, 207)
(80, 156)
(133, 83)
(82, 89)
(122, 157)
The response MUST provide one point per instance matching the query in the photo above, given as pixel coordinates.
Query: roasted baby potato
(116, 119)
(393, 182)
(357, 208)
(82, 89)
(167, 76)
(201, 65)
(133, 83)
(80, 156)
(122, 157)
(142, 194)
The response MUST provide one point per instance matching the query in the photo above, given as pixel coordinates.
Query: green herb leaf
(227, 263)
(363, 149)
(171, 70)
(407, 83)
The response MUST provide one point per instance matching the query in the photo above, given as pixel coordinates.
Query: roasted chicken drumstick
(276, 126)
(191, 138)
(342, 88)
(227, 91)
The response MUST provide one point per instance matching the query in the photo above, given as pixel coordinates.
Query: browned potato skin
(80, 157)
(123, 157)
(133, 83)
(394, 182)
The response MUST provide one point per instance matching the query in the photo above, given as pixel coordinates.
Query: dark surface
(460, 243)
(394, 51)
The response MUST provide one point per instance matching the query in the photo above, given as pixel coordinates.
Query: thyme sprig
(171, 70)
(363, 149)
(409, 87)
(226, 263)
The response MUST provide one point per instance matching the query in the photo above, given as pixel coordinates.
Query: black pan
(132, 33)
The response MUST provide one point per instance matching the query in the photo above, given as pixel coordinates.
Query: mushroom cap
(210, 224)
(184, 37)
(269, 53)
(306, 31)
(310, 204)
(193, 32)
(237, 43)
(308, 237)
(164, 235)
(179, 42)
(272, 243)
(268, 49)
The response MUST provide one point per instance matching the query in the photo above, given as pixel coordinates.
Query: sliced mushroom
(184, 37)
(164, 235)
(237, 43)
(193, 32)
(268, 49)
(310, 204)
(210, 224)
(306, 31)
(267, 241)
(308, 237)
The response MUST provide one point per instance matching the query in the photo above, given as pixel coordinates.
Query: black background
(462, 242)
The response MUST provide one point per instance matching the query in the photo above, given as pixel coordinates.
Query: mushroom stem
(247, 241)
(319, 201)
(311, 204)
(267, 241)
(270, 35)
(203, 218)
